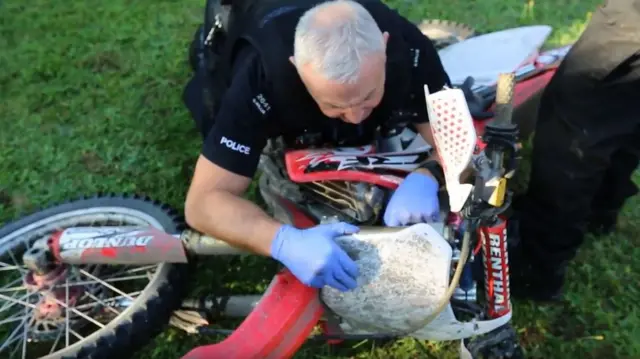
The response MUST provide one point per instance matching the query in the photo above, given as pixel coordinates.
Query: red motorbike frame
(288, 311)
(297, 307)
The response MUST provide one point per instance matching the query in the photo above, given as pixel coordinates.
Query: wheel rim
(34, 319)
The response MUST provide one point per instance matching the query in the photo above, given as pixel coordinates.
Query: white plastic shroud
(455, 139)
(404, 275)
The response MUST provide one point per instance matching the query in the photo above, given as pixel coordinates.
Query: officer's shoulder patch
(261, 104)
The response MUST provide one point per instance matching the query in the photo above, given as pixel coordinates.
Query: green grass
(91, 102)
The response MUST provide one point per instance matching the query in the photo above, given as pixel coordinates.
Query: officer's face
(351, 103)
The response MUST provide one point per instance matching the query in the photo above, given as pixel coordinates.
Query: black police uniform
(263, 96)
(585, 147)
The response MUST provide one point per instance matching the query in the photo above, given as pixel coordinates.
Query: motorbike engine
(345, 201)
(328, 201)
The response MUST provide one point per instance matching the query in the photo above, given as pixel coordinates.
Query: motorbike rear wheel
(444, 32)
(99, 323)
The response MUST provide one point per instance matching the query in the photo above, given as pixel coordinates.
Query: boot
(534, 280)
(603, 223)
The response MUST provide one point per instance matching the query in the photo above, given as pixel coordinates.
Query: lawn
(91, 102)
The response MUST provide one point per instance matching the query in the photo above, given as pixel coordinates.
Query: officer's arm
(426, 69)
(424, 129)
(230, 155)
(215, 206)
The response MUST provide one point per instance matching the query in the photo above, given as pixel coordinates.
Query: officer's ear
(292, 61)
(385, 36)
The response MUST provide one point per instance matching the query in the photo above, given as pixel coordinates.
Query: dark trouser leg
(616, 188)
(588, 116)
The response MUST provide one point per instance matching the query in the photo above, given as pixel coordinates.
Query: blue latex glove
(414, 201)
(313, 256)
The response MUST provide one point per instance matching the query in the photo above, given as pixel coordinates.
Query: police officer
(585, 150)
(340, 68)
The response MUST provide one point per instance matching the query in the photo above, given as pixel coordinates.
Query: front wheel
(85, 311)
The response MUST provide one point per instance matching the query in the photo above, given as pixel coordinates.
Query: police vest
(269, 27)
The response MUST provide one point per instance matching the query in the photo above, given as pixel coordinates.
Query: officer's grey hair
(335, 40)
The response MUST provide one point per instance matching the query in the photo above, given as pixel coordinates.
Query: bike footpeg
(501, 343)
(189, 321)
(331, 327)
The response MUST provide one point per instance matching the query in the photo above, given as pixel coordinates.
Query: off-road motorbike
(97, 277)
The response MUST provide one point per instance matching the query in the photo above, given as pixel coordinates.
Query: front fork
(495, 258)
(490, 199)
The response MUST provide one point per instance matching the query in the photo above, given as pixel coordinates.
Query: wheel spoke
(13, 257)
(18, 301)
(101, 281)
(103, 304)
(11, 301)
(55, 343)
(105, 283)
(75, 334)
(88, 318)
(67, 325)
(140, 269)
(96, 293)
(15, 331)
(12, 319)
(20, 268)
(7, 287)
(4, 267)
(25, 337)
(108, 301)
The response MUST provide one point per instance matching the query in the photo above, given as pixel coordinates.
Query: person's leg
(616, 188)
(566, 173)
(586, 115)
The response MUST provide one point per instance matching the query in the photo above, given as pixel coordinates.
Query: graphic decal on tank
(313, 162)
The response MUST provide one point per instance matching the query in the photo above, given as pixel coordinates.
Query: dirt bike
(72, 273)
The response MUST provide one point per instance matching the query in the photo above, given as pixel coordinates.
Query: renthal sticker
(498, 250)
(117, 241)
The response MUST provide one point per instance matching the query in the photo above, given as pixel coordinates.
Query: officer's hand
(414, 201)
(313, 256)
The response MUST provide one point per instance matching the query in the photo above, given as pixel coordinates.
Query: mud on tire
(150, 311)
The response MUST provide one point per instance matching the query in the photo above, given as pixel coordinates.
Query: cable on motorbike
(481, 206)
(502, 133)
(446, 299)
